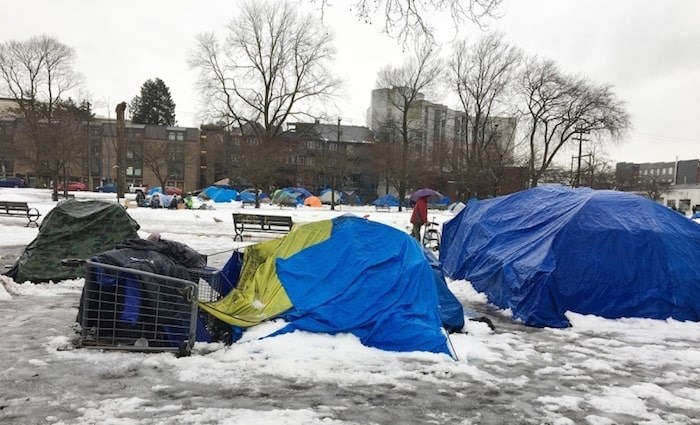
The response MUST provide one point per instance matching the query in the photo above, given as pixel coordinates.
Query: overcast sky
(646, 49)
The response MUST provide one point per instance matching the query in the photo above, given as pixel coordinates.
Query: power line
(666, 137)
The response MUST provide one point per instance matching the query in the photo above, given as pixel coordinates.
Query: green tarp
(73, 229)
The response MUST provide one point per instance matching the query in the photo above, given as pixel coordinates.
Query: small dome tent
(72, 229)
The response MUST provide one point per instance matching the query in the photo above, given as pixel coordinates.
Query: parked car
(107, 188)
(74, 186)
(169, 190)
(12, 182)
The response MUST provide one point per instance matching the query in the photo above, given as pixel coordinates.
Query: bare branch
(408, 19)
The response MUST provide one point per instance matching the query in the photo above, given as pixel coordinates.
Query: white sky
(646, 49)
(597, 372)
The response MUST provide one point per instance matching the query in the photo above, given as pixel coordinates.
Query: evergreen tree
(154, 105)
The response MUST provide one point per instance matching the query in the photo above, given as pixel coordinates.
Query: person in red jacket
(419, 216)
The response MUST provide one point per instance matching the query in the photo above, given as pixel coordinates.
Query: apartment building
(676, 184)
(443, 137)
(94, 154)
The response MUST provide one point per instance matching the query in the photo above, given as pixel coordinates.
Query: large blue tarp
(549, 250)
(373, 281)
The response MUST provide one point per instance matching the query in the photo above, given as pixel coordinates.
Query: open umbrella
(421, 193)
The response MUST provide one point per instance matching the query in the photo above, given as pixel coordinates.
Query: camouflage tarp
(73, 229)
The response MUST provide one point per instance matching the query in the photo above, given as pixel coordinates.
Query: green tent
(73, 229)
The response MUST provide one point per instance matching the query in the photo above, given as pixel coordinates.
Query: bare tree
(37, 75)
(601, 172)
(557, 107)
(272, 64)
(654, 189)
(155, 155)
(482, 75)
(406, 85)
(406, 19)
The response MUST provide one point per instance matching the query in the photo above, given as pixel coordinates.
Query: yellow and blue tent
(345, 275)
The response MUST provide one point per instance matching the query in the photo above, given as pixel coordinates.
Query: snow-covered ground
(596, 372)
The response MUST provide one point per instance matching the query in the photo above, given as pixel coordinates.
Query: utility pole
(580, 139)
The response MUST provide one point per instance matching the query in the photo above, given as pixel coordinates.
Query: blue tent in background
(246, 197)
(549, 250)
(388, 199)
(445, 200)
(220, 194)
(304, 193)
(287, 195)
(349, 197)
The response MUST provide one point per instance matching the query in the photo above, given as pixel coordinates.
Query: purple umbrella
(421, 193)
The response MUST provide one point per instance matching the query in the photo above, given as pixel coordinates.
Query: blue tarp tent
(349, 197)
(249, 196)
(327, 196)
(549, 250)
(373, 281)
(246, 197)
(287, 195)
(220, 194)
(388, 199)
(304, 193)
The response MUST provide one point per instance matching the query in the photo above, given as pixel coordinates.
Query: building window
(176, 167)
(176, 135)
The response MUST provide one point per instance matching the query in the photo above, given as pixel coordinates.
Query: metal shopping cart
(431, 235)
(212, 283)
(128, 309)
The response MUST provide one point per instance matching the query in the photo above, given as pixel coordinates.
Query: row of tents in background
(301, 196)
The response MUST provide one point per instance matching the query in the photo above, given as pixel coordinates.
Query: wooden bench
(382, 207)
(20, 209)
(260, 223)
(247, 202)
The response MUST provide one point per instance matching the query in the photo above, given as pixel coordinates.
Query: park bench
(260, 223)
(20, 209)
(382, 207)
(247, 202)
